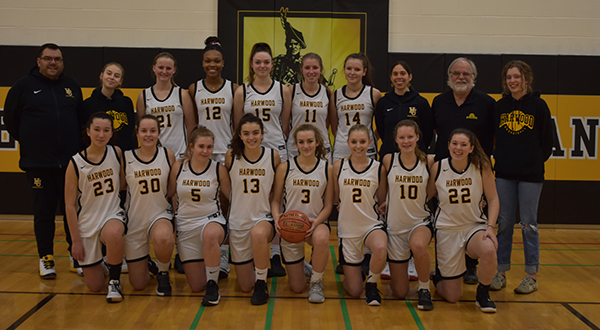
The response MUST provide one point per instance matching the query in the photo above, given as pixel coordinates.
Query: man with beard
(463, 107)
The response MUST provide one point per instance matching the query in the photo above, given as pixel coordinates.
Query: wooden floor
(568, 296)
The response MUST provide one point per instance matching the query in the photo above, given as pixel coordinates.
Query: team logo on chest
(412, 111)
(516, 121)
(37, 183)
(69, 92)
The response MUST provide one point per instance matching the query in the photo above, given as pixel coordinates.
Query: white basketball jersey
(214, 112)
(407, 195)
(147, 188)
(309, 109)
(268, 106)
(198, 194)
(460, 196)
(352, 111)
(169, 112)
(304, 191)
(98, 191)
(358, 206)
(251, 184)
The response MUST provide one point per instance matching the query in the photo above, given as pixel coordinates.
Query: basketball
(293, 226)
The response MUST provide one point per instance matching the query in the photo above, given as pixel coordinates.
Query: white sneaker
(124, 268)
(385, 274)
(412, 271)
(47, 267)
(114, 292)
(74, 269)
(315, 294)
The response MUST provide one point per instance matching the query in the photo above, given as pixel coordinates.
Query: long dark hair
(257, 48)
(237, 145)
(366, 79)
(99, 115)
(478, 156)
(320, 151)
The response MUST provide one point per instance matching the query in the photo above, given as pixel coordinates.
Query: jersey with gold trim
(214, 112)
(407, 195)
(460, 196)
(147, 188)
(309, 109)
(251, 184)
(98, 191)
(198, 194)
(304, 191)
(268, 107)
(358, 206)
(169, 112)
(352, 111)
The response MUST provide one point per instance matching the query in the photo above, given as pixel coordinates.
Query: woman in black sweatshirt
(109, 98)
(524, 140)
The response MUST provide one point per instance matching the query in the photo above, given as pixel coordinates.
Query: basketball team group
(213, 173)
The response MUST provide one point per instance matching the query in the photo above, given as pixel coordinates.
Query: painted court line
(30, 312)
(581, 317)
(340, 288)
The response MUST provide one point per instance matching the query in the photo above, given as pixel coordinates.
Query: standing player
(252, 172)
(408, 220)
(149, 213)
(310, 102)
(266, 98)
(213, 102)
(305, 184)
(168, 102)
(201, 227)
(461, 181)
(354, 104)
(92, 184)
(356, 189)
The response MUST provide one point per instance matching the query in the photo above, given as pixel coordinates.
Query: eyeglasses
(465, 74)
(50, 59)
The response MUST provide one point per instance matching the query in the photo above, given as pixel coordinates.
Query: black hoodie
(120, 108)
(45, 116)
(524, 138)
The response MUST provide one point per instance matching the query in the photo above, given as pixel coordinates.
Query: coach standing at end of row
(43, 112)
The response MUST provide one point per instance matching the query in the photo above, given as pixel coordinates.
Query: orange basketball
(293, 226)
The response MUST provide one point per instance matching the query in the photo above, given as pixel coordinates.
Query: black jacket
(392, 108)
(524, 138)
(45, 116)
(120, 108)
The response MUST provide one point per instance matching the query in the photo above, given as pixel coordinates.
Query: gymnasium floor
(569, 295)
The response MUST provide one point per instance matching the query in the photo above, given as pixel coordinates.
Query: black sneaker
(164, 284)
(425, 302)
(178, 264)
(212, 296)
(483, 300)
(470, 276)
(152, 267)
(372, 294)
(261, 294)
(276, 269)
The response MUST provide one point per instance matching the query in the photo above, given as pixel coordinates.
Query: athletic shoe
(315, 294)
(114, 291)
(339, 269)
(470, 276)
(528, 285)
(385, 274)
(152, 267)
(223, 267)
(164, 284)
(261, 293)
(372, 294)
(212, 296)
(425, 302)
(483, 301)
(124, 267)
(74, 269)
(364, 266)
(276, 269)
(307, 269)
(412, 271)
(47, 267)
(498, 282)
(179, 264)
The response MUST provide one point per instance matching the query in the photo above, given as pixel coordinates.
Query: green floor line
(197, 318)
(269, 320)
(340, 288)
(414, 314)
